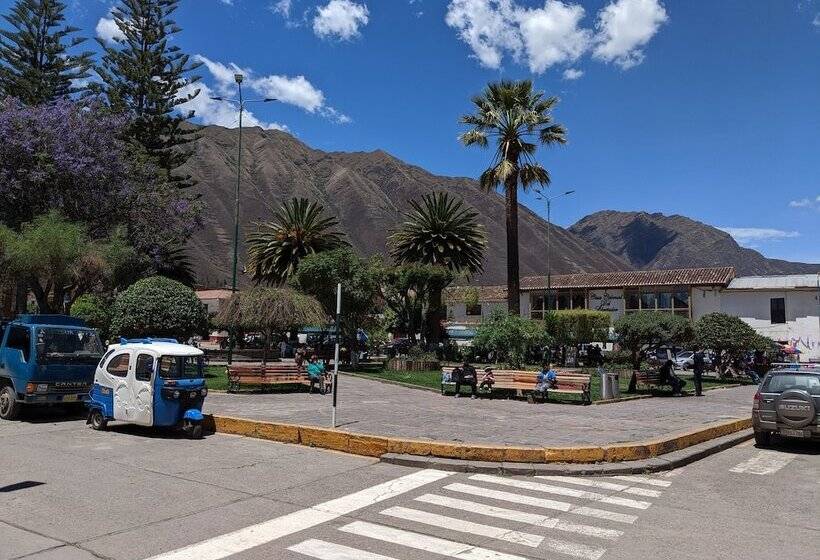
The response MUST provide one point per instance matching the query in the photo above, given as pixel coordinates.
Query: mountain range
(369, 191)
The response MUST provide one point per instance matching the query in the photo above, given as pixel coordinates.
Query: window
(118, 366)
(558, 300)
(20, 339)
(105, 357)
(669, 300)
(632, 299)
(563, 300)
(579, 300)
(145, 367)
(665, 300)
(474, 309)
(179, 367)
(778, 310)
(648, 300)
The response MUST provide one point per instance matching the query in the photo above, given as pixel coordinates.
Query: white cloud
(816, 21)
(624, 27)
(297, 90)
(221, 113)
(282, 7)
(806, 203)
(108, 31)
(551, 34)
(227, 2)
(748, 235)
(572, 74)
(542, 37)
(340, 19)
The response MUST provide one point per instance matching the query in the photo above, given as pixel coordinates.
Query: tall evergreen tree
(147, 77)
(35, 63)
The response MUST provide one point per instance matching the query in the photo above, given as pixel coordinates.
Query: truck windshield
(180, 367)
(55, 345)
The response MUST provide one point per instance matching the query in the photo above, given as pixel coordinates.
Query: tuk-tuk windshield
(55, 345)
(180, 367)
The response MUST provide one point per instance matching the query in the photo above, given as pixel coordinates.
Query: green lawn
(216, 378)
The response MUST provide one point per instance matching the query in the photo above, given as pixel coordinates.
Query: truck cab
(46, 359)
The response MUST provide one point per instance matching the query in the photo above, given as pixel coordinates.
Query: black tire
(98, 421)
(763, 439)
(196, 431)
(9, 407)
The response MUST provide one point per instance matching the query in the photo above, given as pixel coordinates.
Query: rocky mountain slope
(657, 241)
(367, 192)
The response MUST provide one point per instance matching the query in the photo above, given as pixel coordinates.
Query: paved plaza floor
(373, 407)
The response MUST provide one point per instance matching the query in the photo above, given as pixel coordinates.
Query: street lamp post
(242, 102)
(541, 195)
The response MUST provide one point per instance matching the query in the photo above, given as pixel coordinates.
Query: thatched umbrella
(270, 310)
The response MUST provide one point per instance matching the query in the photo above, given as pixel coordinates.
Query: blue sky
(710, 109)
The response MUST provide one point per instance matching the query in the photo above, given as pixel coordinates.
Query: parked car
(685, 360)
(786, 405)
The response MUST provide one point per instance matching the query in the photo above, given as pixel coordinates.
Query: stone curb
(673, 460)
(377, 446)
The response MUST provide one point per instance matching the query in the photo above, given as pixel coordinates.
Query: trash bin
(610, 388)
(614, 384)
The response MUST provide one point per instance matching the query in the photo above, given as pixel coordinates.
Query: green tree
(578, 326)
(517, 118)
(406, 290)
(728, 336)
(510, 337)
(95, 311)
(59, 262)
(645, 331)
(270, 311)
(298, 229)
(442, 231)
(146, 76)
(319, 274)
(160, 307)
(36, 62)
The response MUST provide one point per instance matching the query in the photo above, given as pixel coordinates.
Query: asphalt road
(69, 493)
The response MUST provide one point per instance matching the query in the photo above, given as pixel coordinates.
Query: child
(488, 380)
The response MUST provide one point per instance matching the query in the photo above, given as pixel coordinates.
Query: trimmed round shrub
(94, 311)
(158, 307)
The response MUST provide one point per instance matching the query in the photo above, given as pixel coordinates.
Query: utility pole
(541, 195)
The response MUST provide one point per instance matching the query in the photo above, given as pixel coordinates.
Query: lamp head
(238, 78)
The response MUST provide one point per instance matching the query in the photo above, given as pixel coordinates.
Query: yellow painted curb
(375, 446)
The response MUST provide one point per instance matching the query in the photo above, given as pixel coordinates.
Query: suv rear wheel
(763, 439)
(9, 407)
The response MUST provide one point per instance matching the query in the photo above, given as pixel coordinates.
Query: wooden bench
(524, 382)
(650, 380)
(282, 373)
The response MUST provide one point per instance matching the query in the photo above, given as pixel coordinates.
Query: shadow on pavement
(796, 446)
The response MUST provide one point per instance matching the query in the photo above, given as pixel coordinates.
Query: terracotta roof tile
(681, 277)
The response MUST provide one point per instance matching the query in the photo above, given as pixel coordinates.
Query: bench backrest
(270, 370)
(647, 375)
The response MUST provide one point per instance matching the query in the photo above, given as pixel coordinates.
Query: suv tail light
(756, 401)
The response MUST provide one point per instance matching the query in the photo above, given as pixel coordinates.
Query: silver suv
(787, 404)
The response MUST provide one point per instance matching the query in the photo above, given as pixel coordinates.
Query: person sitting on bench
(466, 374)
(488, 380)
(668, 377)
(545, 381)
(316, 374)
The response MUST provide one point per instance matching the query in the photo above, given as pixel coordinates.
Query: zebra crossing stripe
(561, 491)
(644, 480)
(765, 462)
(323, 550)
(434, 545)
(462, 526)
(540, 502)
(603, 485)
(533, 519)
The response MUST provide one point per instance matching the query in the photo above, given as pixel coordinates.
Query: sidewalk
(381, 409)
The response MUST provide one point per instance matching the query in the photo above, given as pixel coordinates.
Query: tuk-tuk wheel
(196, 431)
(98, 421)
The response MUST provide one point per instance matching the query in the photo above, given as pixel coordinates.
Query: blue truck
(46, 360)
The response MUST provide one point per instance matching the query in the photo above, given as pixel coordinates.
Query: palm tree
(298, 229)
(517, 119)
(441, 231)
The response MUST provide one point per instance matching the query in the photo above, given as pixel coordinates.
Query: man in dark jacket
(668, 377)
(466, 374)
(698, 365)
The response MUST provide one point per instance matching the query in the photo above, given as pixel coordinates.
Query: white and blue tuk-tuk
(149, 382)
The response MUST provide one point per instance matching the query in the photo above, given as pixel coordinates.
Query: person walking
(698, 365)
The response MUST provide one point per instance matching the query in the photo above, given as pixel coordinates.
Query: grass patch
(216, 378)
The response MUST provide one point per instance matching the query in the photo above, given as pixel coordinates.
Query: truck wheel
(98, 421)
(763, 439)
(9, 407)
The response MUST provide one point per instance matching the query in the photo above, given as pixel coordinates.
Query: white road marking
(426, 543)
(765, 462)
(590, 483)
(462, 526)
(324, 550)
(562, 491)
(644, 480)
(533, 519)
(540, 502)
(238, 541)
